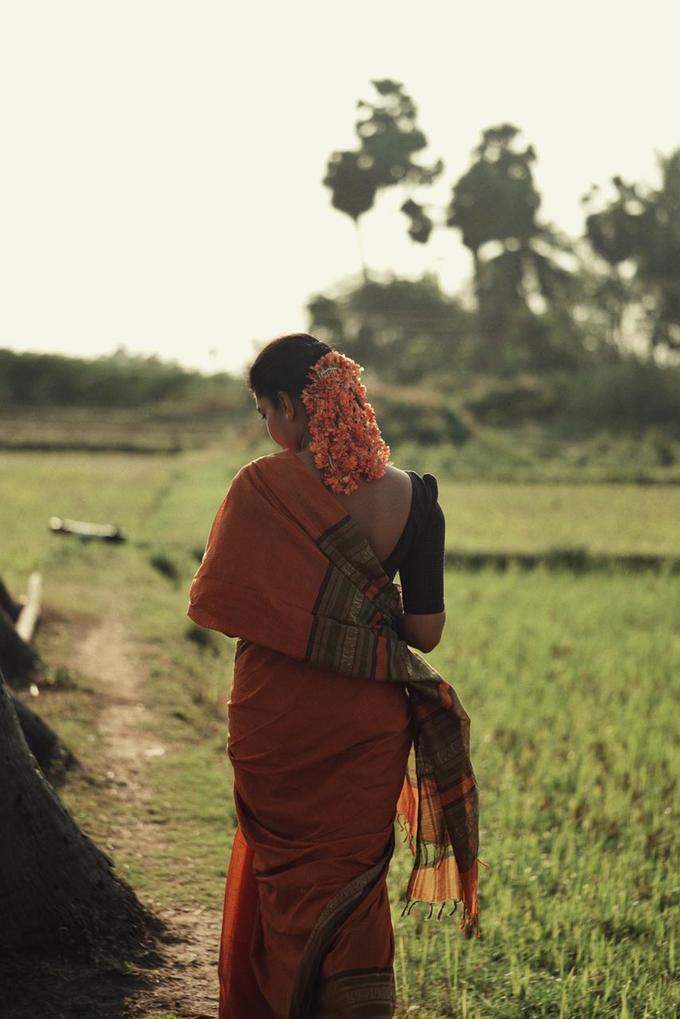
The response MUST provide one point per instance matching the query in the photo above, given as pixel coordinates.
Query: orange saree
(335, 725)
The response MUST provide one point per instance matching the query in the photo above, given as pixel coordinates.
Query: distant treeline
(627, 395)
(120, 379)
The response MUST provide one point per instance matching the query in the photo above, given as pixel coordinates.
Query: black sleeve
(422, 571)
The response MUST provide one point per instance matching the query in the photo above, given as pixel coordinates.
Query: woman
(335, 724)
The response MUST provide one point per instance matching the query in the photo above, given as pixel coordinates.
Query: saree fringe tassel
(469, 922)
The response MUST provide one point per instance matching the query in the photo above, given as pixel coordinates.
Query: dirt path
(186, 982)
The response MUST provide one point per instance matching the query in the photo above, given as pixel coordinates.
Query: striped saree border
(329, 921)
(358, 994)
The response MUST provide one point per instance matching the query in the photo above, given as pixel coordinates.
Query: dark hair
(283, 365)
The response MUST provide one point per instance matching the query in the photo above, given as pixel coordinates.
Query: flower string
(345, 438)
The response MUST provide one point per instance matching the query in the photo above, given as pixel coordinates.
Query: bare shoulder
(394, 479)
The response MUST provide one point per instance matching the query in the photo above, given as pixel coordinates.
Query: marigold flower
(346, 440)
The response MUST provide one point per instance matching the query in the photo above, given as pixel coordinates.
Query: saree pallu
(335, 725)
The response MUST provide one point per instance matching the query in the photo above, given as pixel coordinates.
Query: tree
(409, 330)
(641, 226)
(388, 137)
(354, 185)
(495, 205)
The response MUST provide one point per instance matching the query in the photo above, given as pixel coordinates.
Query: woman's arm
(422, 630)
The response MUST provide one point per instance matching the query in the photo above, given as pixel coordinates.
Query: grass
(528, 518)
(147, 430)
(528, 452)
(571, 683)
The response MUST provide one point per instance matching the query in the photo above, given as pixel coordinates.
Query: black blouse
(419, 552)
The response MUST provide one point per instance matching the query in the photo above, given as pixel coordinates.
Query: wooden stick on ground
(28, 617)
(85, 529)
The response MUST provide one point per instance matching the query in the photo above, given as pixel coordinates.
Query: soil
(176, 976)
(185, 980)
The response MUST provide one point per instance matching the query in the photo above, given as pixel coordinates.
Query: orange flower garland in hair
(346, 440)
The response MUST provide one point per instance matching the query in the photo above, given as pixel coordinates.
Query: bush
(511, 401)
(630, 395)
(409, 414)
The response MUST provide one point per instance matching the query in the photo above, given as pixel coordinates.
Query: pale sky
(162, 162)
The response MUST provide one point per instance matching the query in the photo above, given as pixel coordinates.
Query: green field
(571, 683)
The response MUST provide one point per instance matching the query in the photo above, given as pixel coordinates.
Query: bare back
(380, 508)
